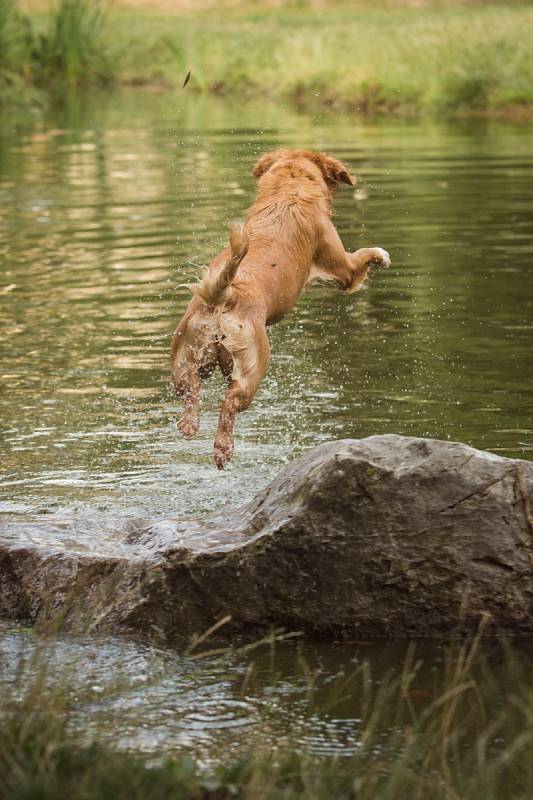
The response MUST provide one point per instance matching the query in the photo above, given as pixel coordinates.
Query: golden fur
(287, 240)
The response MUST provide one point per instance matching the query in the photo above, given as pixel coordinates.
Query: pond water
(108, 205)
(104, 211)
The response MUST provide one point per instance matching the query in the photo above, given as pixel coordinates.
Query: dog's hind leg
(194, 357)
(189, 389)
(250, 363)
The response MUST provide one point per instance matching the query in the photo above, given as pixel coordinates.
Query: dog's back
(287, 239)
(283, 226)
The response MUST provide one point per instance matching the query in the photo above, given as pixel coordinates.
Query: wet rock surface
(387, 536)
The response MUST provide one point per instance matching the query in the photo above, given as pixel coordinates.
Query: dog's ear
(266, 161)
(333, 170)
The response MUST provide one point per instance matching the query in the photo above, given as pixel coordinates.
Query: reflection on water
(105, 210)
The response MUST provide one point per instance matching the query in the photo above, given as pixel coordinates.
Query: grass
(72, 49)
(16, 40)
(457, 747)
(444, 58)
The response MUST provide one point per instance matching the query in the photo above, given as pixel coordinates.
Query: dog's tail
(213, 288)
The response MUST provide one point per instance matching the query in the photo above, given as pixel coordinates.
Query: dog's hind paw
(222, 454)
(188, 426)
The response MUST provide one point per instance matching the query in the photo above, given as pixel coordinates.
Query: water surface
(105, 211)
(106, 208)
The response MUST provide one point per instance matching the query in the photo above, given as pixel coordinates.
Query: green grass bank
(457, 746)
(448, 59)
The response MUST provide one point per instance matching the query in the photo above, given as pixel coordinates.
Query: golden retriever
(286, 241)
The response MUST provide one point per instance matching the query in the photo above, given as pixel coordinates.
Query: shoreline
(510, 113)
(436, 61)
(46, 98)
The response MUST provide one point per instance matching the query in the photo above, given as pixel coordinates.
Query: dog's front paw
(380, 258)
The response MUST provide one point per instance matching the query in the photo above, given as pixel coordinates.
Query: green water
(105, 208)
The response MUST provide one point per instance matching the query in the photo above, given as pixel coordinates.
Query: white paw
(382, 257)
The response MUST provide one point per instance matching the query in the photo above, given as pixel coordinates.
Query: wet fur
(287, 240)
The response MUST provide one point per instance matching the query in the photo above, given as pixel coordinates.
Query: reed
(74, 48)
(16, 44)
(71, 48)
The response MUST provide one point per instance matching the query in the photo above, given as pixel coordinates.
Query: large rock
(382, 537)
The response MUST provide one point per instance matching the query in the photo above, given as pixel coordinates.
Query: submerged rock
(387, 536)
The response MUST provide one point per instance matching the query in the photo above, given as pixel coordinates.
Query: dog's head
(331, 169)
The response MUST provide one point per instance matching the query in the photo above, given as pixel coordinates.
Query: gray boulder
(387, 536)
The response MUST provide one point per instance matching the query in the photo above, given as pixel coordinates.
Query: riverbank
(446, 59)
(443, 738)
